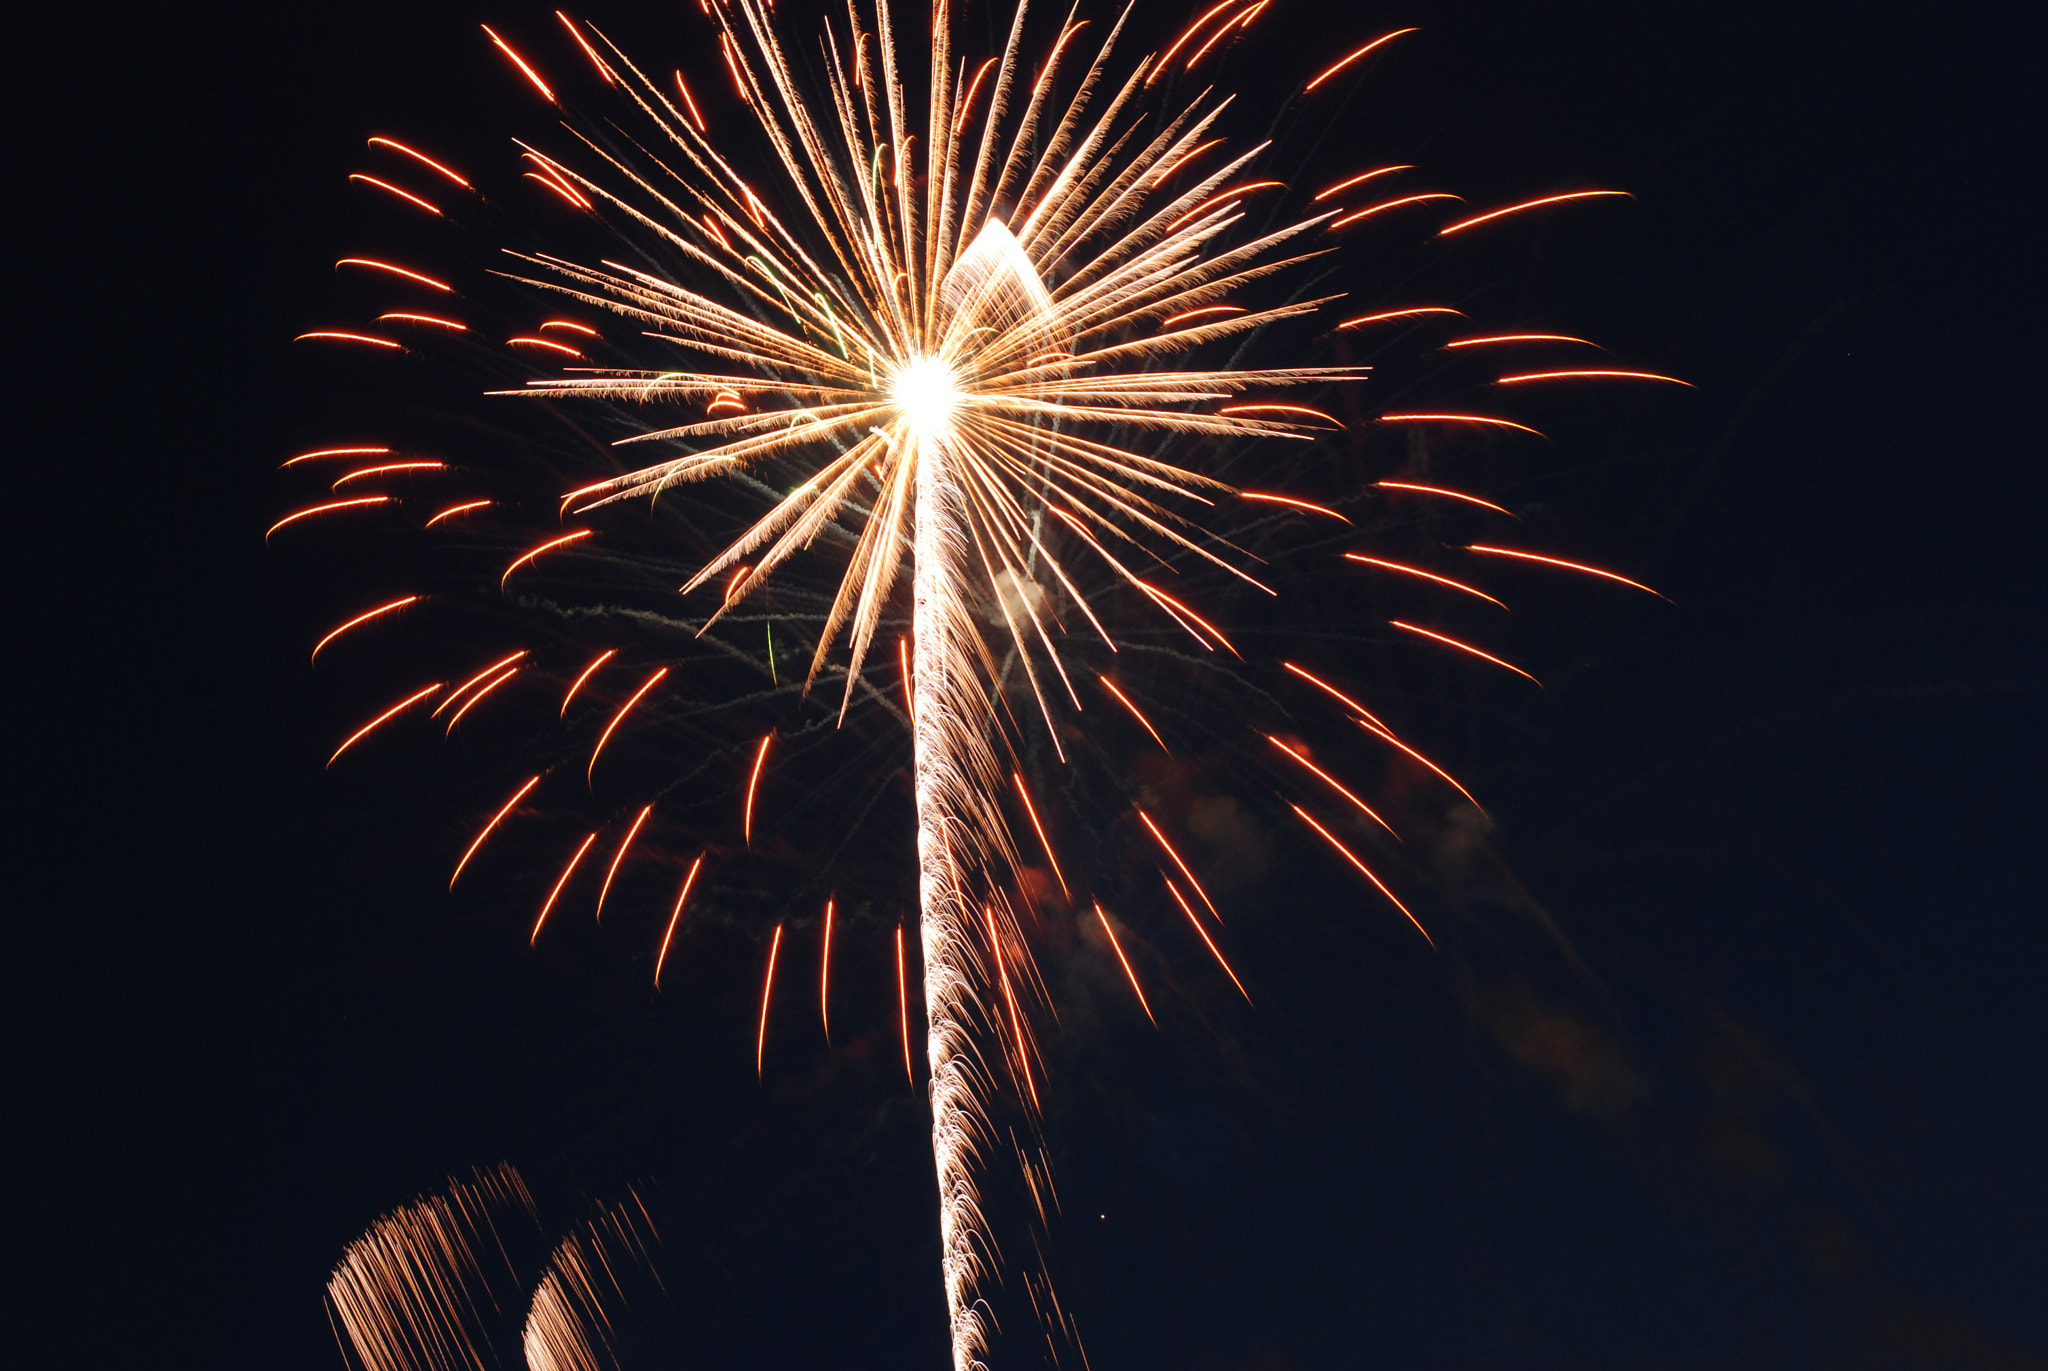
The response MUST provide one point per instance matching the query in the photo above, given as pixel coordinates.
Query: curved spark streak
(1044, 842)
(1448, 641)
(406, 272)
(1400, 314)
(388, 467)
(1364, 870)
(390, 713)
(1125, 962)
(618, 859)
(1335, 784)
(435, 319)
(1568, 566)
(343, 336)
(1363, 176)
(1458, 419)
(1161, 837)
(548, 546)
(1136, 713)
(453, 510)
(387, 187)
(493, 669)
(556, 894)
(521, 63)
(327, 508)
(590, 771)
(1590, 374)
(903, 1007)
(1448, 495)
(491, 827)
(1347, 61)
(1203, 933)
(362, 618)
(380, 141)
(825, 977)
(1371, 724)
(1290, 500)
(1425, 575)
(675, 917)
(1521, 338)
(588, 672)
(1369, 210)
(1528, 204)
(473, 701)
(753, 782)
(767, 993)
(332, 452)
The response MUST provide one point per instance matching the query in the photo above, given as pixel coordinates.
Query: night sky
(1737, 1059)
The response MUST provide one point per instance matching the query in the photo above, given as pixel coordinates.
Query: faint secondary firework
(983, 315)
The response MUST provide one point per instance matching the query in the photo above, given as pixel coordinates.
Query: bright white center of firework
(925, 392)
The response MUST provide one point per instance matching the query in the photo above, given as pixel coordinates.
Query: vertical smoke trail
(949, 739)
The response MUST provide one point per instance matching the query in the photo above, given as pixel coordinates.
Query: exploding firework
(997, 344)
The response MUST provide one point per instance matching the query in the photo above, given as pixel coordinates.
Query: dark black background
(1792, 1115)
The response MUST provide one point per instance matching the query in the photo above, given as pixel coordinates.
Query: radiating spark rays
(491, 827)
(825, 976)
(1363, 870)
(391, 713)
(1136, 713)
(380, 141)
(1424, 575)
(1568, 566)
(1346, 61)
(561, 884)
(619, 859)
(1203, 934)
(1292, 502)
(1160, 837)
(1538, 203)
(767, 995)
(1125, 963)
(1335, 785)
(675, 917)
(1447, 494)
(576, 685)
(903, 1007)
(1449, 641)
(753, 784)
(365, 617)
(1044, 843)
(590, 771)
(549, 546)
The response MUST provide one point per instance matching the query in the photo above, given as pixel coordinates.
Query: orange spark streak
(1528, 204)
(1329, 689)
(342, 336)
(1222, 32)
(1521, 338)
(368, 180)
(995, 946)
(1279, 409)
(619, 718)
(425, 319)
(520, 62)
(553, 176)
(544, 343)
(493, 669)
(473, 701)
(1181, 864)
(326, 508)
(1425, 575)
(410, 275)
(1203, 933)
(584, 329)
(453, 510)
(1129, 974)
(1039, 828)
(1356, 215)
(1136, 713)
(1289, 500)
(675, 917)
(556, 893)
(733, 66)
(1220, 196)
(1181, 41)
(524, 558)
(1372, 725)
(1462, 647)
(588, 672)
(618, 859)
(1401, 314)
(1569, 566)
(406, 703)
(1447, 494)
(567, 193)
(588, 51)
(825, 977)
(362, 618)
(903, 666)
(1350, 857)
(380, 141)
(1345, 62)
(358, 474)
(1198, 313)
(753, 781)
(690, 104)
(767, 991)
(1458, 419)
(1335, 784)
(973, 89)
(1157, 594)
(903, 1007)
(1588, 372)
(331, 452)
(1362, 176)
(1186, 158)
(496, 819)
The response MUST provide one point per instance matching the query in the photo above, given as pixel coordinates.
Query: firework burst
(959, 340)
